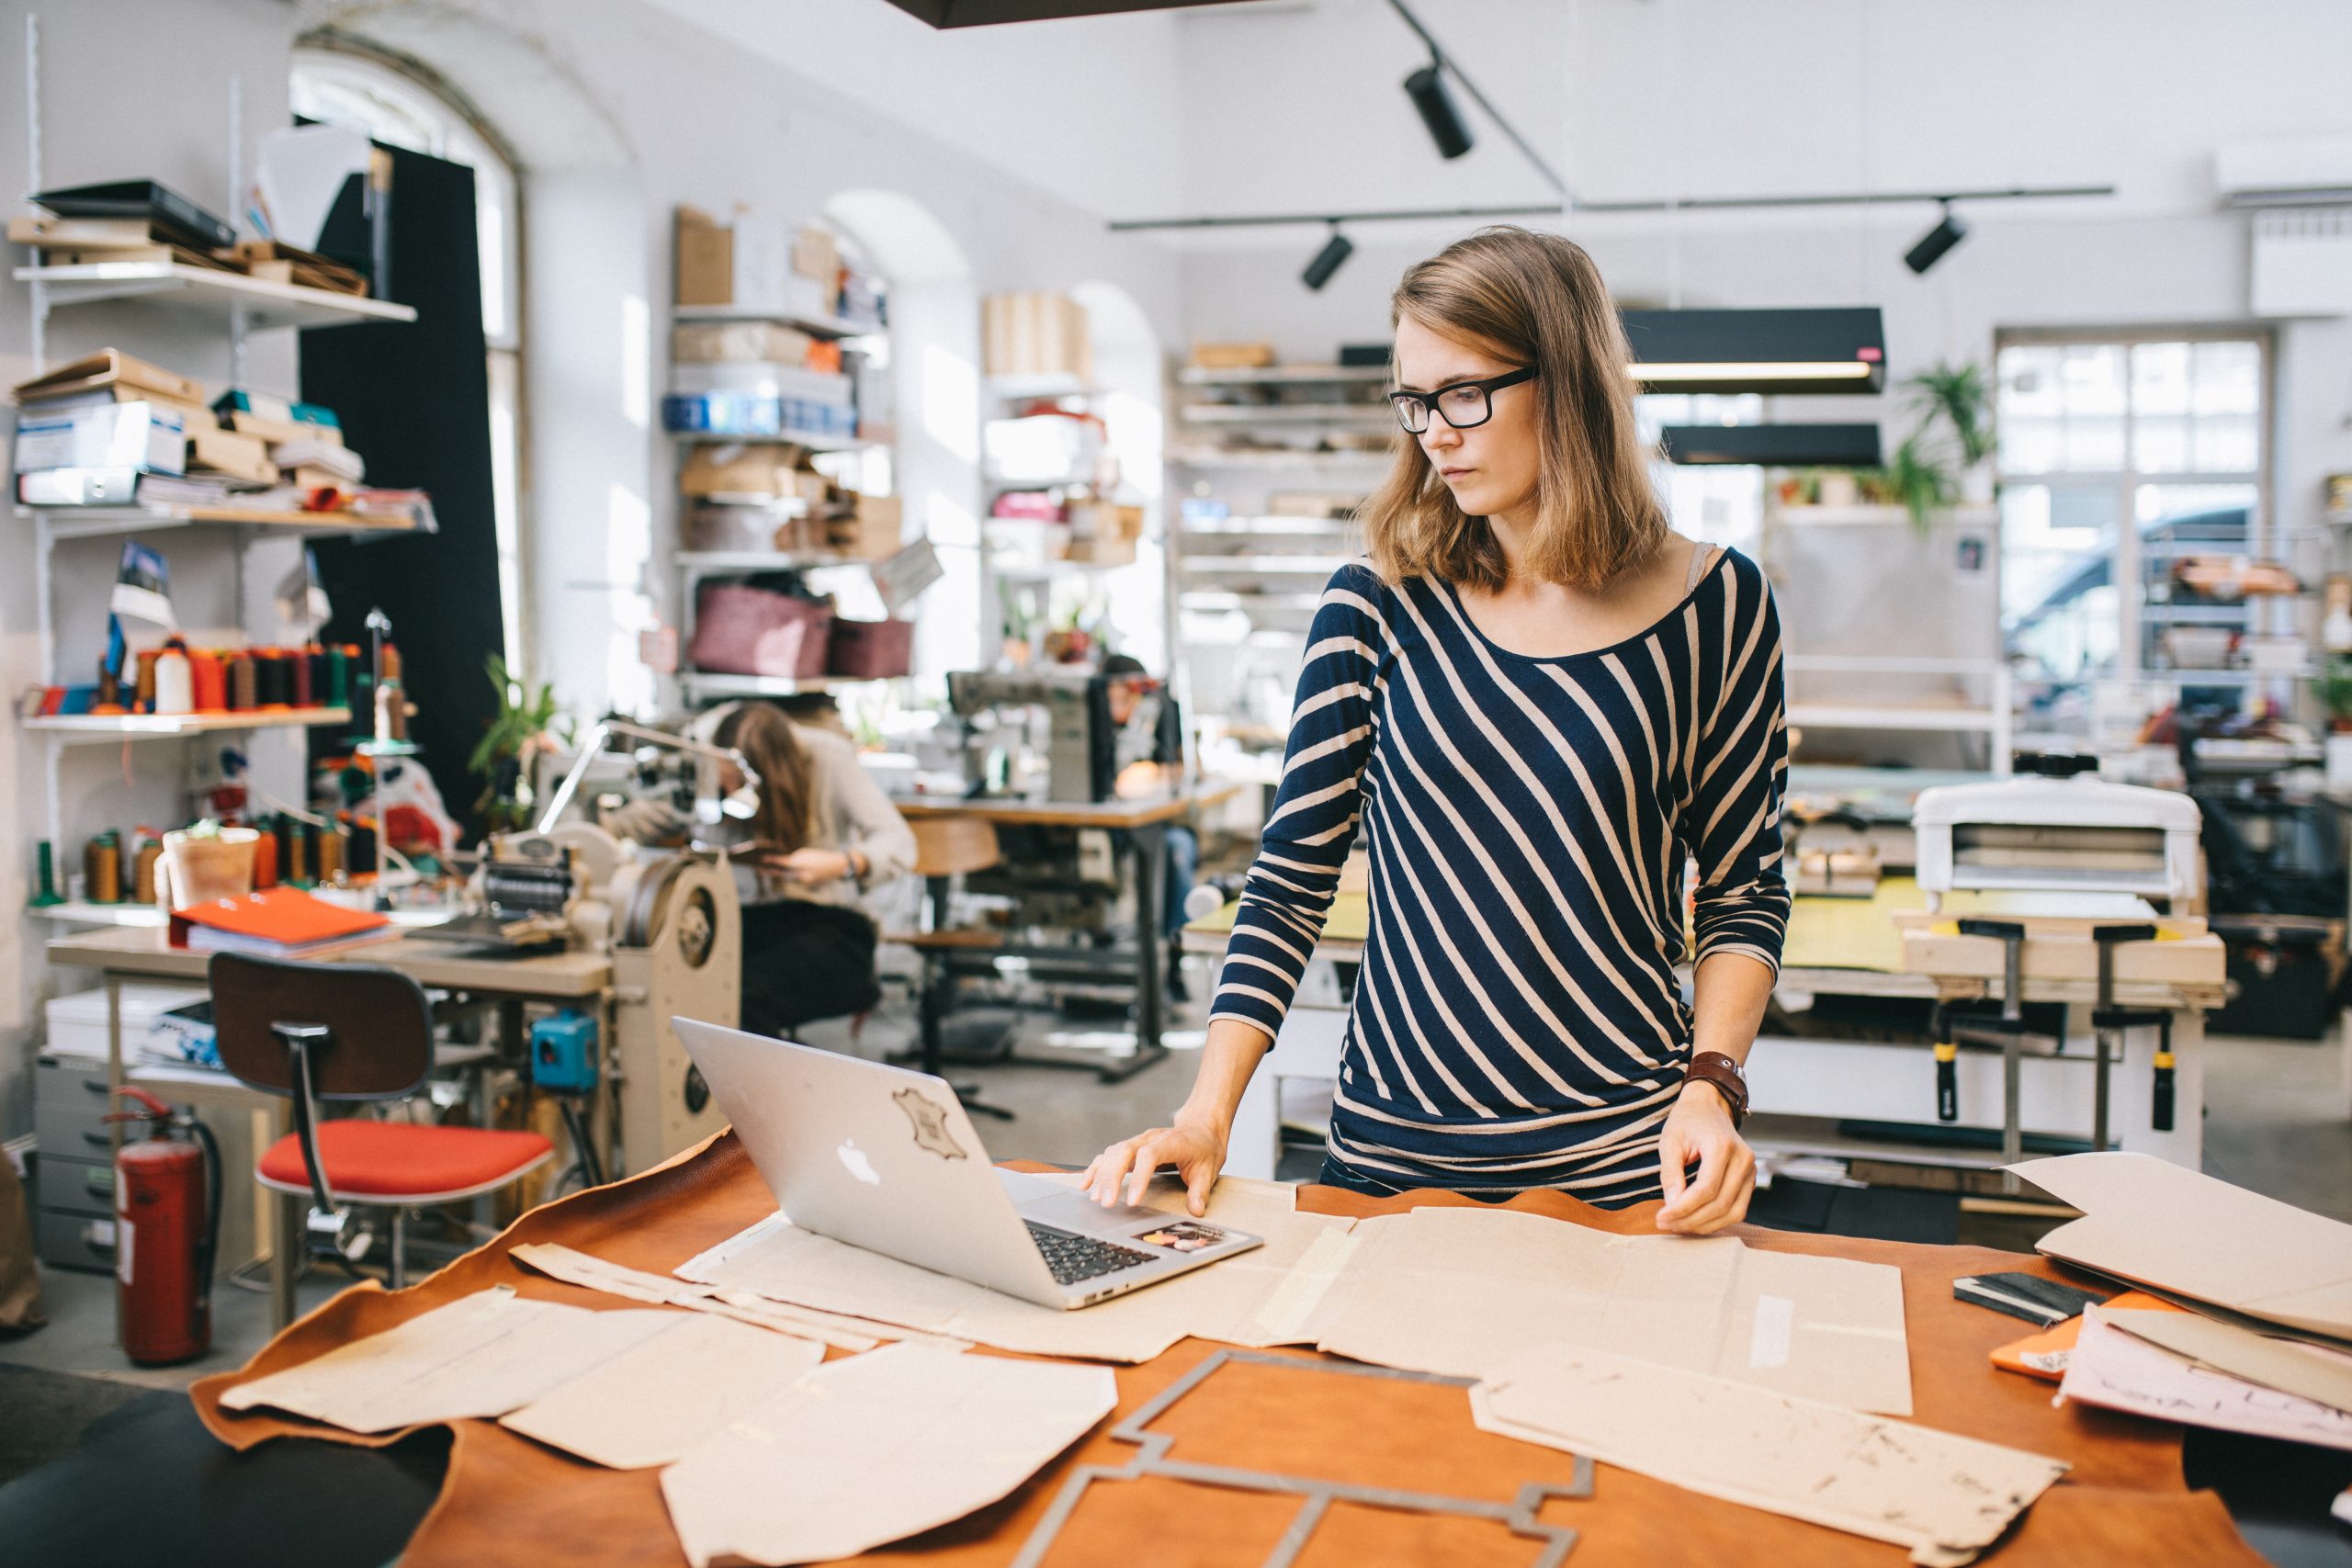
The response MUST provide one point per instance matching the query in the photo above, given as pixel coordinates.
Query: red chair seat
(402, 1159)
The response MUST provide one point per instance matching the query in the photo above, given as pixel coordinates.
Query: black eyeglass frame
(1429, 411)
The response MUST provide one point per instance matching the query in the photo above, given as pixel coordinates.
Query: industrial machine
(1009, 717)
(2060, 830)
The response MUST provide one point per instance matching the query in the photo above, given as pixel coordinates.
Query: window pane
(2228, 378)
(2091, 378)
(2059, 603)
(2029, 378)
(2160, 445)
(2226, 445)
(2030, 446)
(2160, 377)
(2095, 445)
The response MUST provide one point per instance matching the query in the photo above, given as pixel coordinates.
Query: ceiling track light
(1335, 250)
(1426, 87)
(1931, 248)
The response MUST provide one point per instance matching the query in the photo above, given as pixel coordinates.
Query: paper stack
(2266, 1345)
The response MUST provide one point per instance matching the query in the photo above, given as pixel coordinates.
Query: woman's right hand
(1195, 1148)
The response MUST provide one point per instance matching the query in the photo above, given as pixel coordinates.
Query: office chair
(945, 848)
(352, 1032)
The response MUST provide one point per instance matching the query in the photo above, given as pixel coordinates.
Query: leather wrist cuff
(1722, 1073)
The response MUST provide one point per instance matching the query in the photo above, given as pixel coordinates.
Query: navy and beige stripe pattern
(1516, 1020)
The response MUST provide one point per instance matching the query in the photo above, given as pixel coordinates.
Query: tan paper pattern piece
(575, 1268)
(1457, 1291)
(658, 1400)
(1224, 1300)
(873, 1449)
(2304, 1370)
(2118, 1371)
(481, 1354)
(1944, 1497)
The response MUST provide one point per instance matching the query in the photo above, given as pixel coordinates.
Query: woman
(1538, 702)
(824, 833)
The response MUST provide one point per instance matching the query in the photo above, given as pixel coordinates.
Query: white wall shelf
(1292, 458)
(814, 440)
(815, 325)
(718, 563)
(1286, 413)
(70, 729)
(1280, 375)
(1916, 717)
(712, 685)
(208, 290)
(101, 522)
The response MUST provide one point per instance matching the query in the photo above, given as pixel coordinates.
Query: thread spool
(102, 868)
(265, 861)
(329, 841)
(143, 866)
(110, 690)
(361, 853)
(392, 671)
(143, 684)
(175, 681)
(240, 683)
(208, 681)
(338, 660)
(270, 684)
(299, 662)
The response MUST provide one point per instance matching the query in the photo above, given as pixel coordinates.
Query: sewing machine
(1011, 717)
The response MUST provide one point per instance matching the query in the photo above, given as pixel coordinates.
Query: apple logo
(859, 1165)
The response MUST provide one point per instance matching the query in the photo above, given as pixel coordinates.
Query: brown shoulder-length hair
(787, 793)
(1531, 299)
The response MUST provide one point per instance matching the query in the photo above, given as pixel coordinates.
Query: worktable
(1142, 823)
(1845, 947)
(506, 1500)
(145, 953)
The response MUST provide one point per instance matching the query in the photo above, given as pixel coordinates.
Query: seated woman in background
(823, 833)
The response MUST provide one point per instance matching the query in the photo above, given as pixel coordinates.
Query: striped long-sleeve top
(1516, 1020)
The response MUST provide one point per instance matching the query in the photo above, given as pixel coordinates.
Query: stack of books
(142, 222)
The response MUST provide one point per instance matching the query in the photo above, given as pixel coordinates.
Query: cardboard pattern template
(1316, 1496)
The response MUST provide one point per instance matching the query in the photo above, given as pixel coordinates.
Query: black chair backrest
(381, 1025)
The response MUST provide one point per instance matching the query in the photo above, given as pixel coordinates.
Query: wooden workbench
(506, 1500)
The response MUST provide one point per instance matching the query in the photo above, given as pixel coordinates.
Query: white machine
(2061, 832)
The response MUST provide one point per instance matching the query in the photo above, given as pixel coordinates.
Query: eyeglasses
(1462, 405)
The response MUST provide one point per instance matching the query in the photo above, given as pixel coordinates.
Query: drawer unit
(73, 1187)
(75, 1241)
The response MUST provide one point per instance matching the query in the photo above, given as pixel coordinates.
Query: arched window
(343, 87)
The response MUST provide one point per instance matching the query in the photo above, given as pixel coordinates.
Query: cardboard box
(1103, 521)
(713, 342)
(1035, 335)
(227, 452)
(756, 467)
(1101, 549)
(1232, 355)
(816, 253)
(871, 530)
(145, 435)
(747, 262)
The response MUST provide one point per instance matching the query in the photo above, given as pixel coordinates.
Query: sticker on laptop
(1183, 1236)
(929, 1119)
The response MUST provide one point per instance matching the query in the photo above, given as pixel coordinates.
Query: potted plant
(2333, 684)
(526, 718)
(1954, 406)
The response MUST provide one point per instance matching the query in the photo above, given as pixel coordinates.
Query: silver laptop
(886, 1159)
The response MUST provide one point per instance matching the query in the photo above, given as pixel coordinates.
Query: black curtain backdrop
(414, 402)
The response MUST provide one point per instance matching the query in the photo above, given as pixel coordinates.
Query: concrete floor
(2278, 1120)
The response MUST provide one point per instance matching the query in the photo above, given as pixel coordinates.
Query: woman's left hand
(809, 864)
(1699, 1130)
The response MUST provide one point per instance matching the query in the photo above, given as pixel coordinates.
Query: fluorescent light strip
(1756, 370)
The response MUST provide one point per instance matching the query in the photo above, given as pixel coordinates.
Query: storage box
(744, 630)
(761, 378)
(867, 650)
(752, 468)
(816, 253)
(753, 416)
(1232, 355)
(752, 530)
(704, 343)
(1103, 520)
(1035, 335)
(871, 531)
(227, 452)
(747, 262)
(77, 1023)
(1100, 550)
(143, 435)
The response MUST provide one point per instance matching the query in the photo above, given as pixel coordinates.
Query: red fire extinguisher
(166, 1225)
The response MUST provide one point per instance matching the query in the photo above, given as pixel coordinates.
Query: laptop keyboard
(1075, 1258)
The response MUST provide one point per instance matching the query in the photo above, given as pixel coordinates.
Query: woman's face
(1490, 468)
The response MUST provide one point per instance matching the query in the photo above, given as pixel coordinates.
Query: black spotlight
(1335, 250)
(1949, 231)
(1426, 87)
